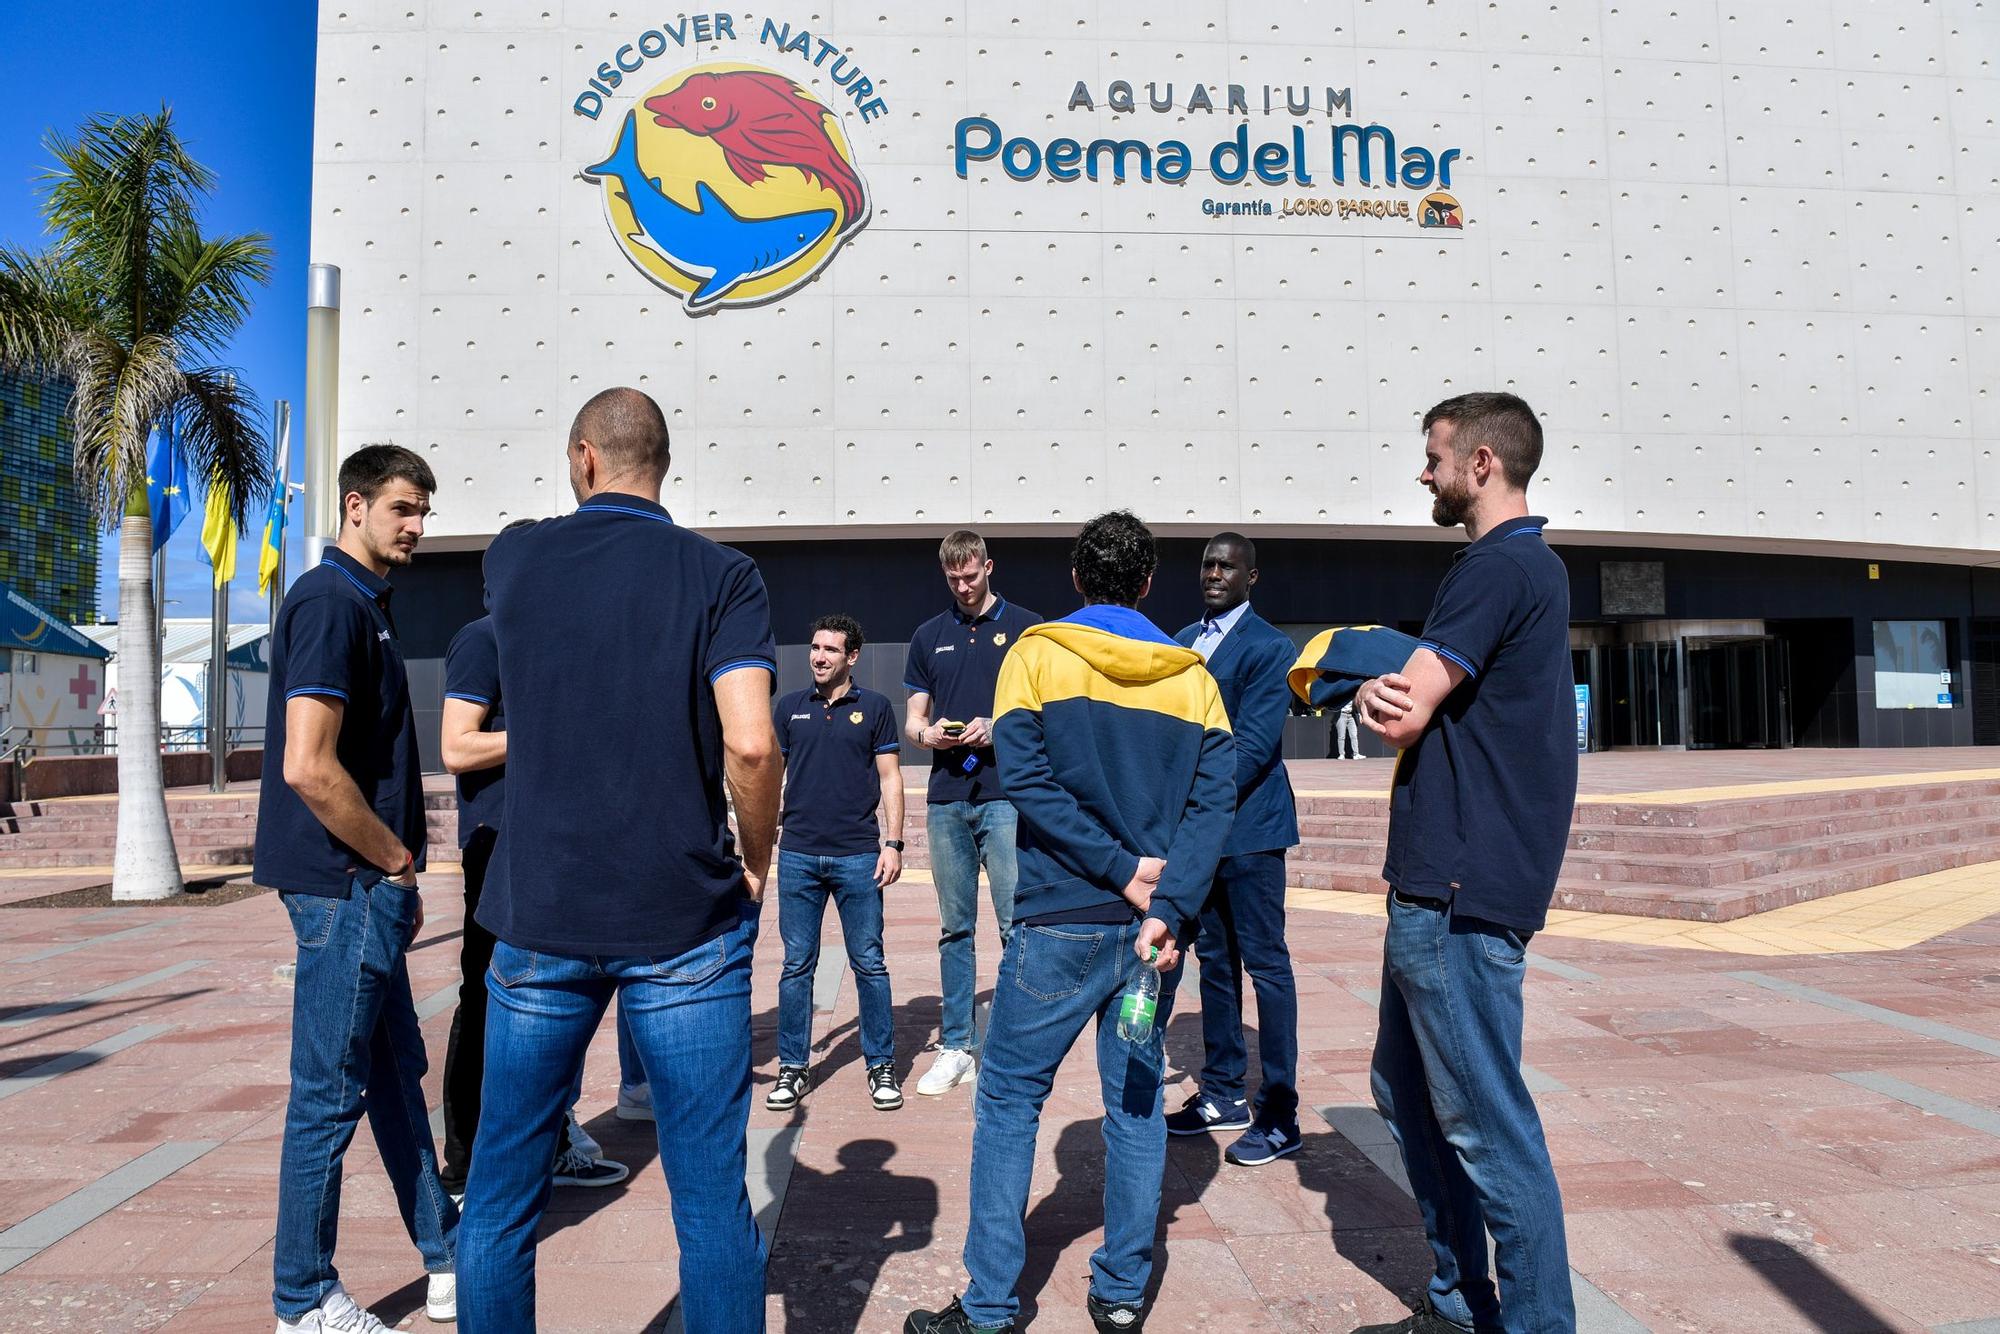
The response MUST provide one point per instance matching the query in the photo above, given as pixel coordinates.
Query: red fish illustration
(760, 120)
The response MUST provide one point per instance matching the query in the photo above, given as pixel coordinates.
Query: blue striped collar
(372, 585)
(1500, 532)
(620, 502)
(992, 613)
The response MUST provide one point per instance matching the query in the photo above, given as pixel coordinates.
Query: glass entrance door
(1738, 694)
(1644, 685)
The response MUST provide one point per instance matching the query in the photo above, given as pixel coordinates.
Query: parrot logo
(730, 185)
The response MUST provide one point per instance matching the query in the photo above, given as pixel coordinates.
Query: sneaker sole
(791, 1106)
(1288, 1150)
(441, 1316)
(594, 1182)
(1212, 1128)
(634, 1113)
(882, 1106)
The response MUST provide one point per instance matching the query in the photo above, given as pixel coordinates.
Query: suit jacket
(1249, 668)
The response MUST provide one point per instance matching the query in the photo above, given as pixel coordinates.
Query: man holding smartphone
(953, 669)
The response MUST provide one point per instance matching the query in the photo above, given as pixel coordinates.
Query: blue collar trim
(1125, 622)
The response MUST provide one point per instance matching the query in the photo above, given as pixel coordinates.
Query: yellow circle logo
(730, 185)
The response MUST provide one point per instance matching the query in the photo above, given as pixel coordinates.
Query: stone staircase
(1700, 860)
(1708, 861)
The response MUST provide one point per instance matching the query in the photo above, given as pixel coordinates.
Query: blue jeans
(356, 1048)
(1053, 981)
(690, 1022)
(1447, 1079)
(804, 882)
(1243, 929)
(961, 836)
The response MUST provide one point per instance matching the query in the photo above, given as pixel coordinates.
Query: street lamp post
(322, 407)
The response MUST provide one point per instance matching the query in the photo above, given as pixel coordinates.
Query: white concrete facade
(1743, 256)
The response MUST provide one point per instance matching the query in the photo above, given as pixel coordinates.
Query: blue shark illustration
(707, 241)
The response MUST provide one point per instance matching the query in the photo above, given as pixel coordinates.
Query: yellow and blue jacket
(1112, 744)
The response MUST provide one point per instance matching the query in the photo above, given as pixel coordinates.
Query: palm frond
(46, 303)
(201, 285)
(119, 185)
(222, 435)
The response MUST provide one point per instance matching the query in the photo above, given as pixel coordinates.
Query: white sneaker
(635, 1102)
(951, 1068)
(335, 1314)
(579, 1138)
(441, 1298)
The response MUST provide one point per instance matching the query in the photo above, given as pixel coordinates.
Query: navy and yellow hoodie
(1112, 744)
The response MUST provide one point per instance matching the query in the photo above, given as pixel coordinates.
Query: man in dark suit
(1243, 924)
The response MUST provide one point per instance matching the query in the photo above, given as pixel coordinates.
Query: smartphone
(951, 729)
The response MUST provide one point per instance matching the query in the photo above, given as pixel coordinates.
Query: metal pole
(322, 408)
(283, 435)
(218, 688)
(160, 599)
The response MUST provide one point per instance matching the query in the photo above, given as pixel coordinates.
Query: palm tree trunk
(147, 866)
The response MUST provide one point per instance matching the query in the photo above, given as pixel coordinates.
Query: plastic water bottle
(1140, 1002)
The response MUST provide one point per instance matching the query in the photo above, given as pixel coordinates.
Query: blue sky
(239, 76)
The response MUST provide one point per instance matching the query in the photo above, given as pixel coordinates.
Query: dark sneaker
(1202, 1114)
(883, 1090)
(1115, 1317)
(1422, 1321)
(1263, 1144)
(793, 1081)
(575, 1168)
(951, 1320)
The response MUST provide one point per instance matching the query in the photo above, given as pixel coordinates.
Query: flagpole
(218, 687)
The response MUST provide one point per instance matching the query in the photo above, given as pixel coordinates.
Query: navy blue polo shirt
(1480, 808)
(616, 624)
(955, 659)
(472, 673)
(335, 638)
(831, 786)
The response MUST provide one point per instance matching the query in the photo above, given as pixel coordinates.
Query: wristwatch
(895, 843)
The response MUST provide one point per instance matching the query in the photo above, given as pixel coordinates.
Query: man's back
(614, 624)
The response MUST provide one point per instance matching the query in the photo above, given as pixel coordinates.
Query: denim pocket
(1503, 944)
(1051, 963)
(312, 917)
(512, 967)
(697, 965)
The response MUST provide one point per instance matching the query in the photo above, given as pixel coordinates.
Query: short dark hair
(1113, 558)
(628, 429)
(841, 624)
(372, 467)
(1237, 540)
(1504, 423)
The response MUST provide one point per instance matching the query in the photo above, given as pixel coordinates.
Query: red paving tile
(1717, 1175)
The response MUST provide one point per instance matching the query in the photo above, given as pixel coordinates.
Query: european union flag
(166, 482)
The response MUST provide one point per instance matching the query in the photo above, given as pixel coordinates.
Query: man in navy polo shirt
(1479, 815)
(340, 836)
(842, 762)
(636, 660)
(953, 669)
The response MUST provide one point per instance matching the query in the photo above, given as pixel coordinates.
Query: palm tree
(128, 304)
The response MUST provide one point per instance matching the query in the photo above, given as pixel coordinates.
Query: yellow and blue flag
(218, 534)
(273, 549)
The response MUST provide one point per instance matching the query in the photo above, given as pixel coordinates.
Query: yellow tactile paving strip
(1684, 796)
(1894, 916)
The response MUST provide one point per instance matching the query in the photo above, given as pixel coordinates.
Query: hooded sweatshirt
(1112, 744)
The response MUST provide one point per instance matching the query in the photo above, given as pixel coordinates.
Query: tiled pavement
(1770, 1143)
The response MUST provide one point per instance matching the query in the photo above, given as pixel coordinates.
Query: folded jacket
(1335, 662)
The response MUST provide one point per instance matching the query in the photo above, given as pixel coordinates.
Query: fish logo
(731, 185)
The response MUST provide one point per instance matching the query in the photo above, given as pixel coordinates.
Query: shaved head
(628, 430)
